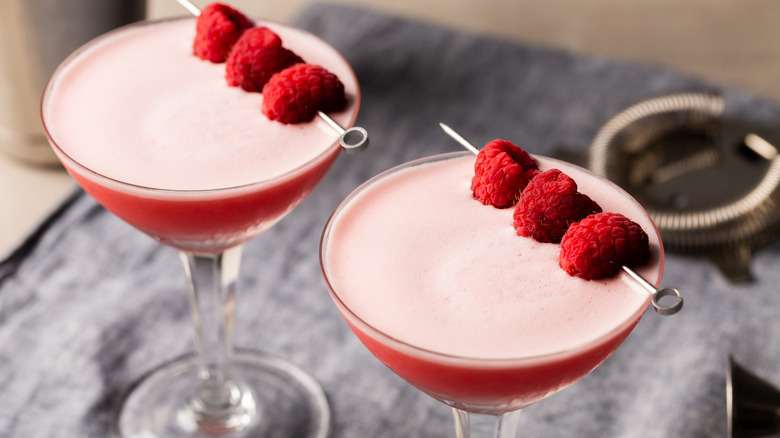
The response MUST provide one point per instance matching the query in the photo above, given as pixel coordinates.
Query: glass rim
(461, 360)
(81, 168)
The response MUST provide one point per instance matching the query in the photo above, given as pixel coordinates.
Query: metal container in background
(35, 36)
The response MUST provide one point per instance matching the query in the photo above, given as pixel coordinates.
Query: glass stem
(213, 280)
(503, 425)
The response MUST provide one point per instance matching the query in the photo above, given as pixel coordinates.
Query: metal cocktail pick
(188, 5)
(657, 294)
(352, 140)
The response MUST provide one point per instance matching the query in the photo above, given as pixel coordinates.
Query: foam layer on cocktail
(140, 108)
(484, 317)
(135, 109)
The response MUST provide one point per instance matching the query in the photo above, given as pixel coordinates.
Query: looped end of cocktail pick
(662, 308)
(661, 305)
(353, 140)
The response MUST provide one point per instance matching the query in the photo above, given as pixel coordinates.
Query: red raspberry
(548, 205)
(255, 57)
(295, 94)
(501, 172)
(218, 27)
(600, 244)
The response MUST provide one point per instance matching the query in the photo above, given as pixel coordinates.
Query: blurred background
(733, 42)
(730, 42)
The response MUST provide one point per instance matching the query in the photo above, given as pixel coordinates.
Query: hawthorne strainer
(709, 182)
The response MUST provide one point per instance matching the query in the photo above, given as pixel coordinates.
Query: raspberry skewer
(352, 140)
(657, 294)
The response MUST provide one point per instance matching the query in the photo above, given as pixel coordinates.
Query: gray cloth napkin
(89, 303)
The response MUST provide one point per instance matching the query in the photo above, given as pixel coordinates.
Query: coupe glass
(216, 390)
(496, 387)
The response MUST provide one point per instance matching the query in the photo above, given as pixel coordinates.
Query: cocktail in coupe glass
(441, 289)
(157, 137)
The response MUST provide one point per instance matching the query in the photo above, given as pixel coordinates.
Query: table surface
(91, 303)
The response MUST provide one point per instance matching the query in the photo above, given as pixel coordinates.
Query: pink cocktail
(441, 289)
(157, 136)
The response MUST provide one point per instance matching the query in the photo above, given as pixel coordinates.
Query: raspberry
(548, 205)
(600, 244)
(218, 27)
(255, 57)
(501, 172)
(295, 94)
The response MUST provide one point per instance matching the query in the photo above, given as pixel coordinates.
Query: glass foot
(270, 397)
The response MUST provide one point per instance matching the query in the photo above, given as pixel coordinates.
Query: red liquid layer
(206, 221)
(488, 386)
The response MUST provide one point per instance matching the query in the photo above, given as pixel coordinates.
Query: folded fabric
(90, 303)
